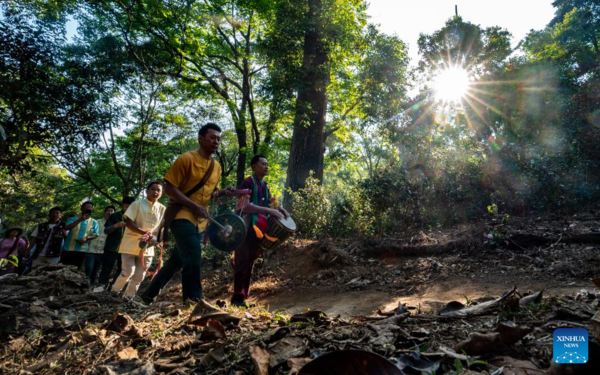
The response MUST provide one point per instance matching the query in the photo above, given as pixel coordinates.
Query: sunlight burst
(450, 85)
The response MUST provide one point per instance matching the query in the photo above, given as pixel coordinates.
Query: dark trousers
(72, 258)
(187, 255)
(108, 263)
(162, 278)
(92, 264)
(243, 263)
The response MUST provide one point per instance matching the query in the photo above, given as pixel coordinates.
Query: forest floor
(479, 298)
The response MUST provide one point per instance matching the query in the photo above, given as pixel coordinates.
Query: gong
(227, 232)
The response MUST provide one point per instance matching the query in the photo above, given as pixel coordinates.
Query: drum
(279, 230)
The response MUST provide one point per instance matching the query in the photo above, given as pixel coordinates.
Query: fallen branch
(480, 309)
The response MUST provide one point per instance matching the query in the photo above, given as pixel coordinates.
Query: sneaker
(98, 289)
(135, 300)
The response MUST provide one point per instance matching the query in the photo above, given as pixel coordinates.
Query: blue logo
(570, 345)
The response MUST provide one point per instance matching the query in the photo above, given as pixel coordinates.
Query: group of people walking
(130, 237)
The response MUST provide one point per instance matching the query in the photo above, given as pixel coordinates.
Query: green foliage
(44, 97)
(207, 47)
(458, 366)
(310, 208)
(340, 27)
(538, 307)
(545, 118)
(26, 196)
(351, 215)
(113, 108)
(463, 43)
(149, 145)
(10, 260)
(493, 209)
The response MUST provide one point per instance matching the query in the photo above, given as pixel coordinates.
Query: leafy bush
(311, 208)
(351, 214)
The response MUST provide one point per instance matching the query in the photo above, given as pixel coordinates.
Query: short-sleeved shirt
(97, 246)
(86, 228)
(7, 244)
(146, 215)
(184, 174)
(113, 240)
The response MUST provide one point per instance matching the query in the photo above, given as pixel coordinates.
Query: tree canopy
(44, 94)
(331, 100)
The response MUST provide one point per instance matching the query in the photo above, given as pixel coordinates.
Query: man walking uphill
(259, 208)
(190, 183)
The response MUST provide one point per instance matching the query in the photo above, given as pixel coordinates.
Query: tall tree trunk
(308, 137)
(270, 125)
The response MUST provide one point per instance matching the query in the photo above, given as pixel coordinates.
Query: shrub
(311, 208)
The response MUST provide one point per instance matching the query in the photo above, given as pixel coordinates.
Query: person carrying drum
(259, 208)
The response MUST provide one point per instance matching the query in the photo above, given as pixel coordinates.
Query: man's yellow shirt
(184, 174)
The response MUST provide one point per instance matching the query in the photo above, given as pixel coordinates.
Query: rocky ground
(481, 298)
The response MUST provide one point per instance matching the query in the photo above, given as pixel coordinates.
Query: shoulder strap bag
(173, 208)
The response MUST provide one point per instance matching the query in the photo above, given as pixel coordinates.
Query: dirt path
(365, 302)
(423, 270)
(347, 278)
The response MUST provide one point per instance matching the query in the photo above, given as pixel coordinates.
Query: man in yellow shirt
(188, 225)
